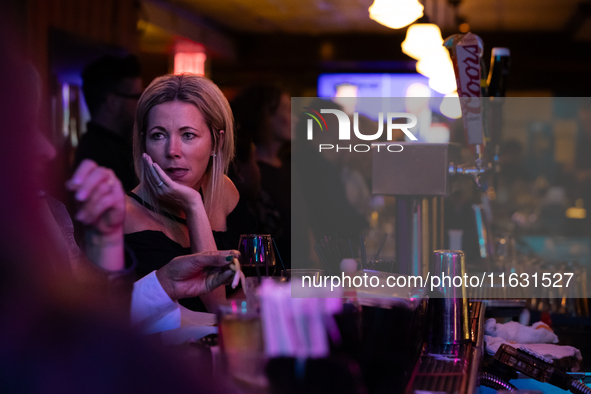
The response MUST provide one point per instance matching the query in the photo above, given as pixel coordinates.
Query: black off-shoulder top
(153, 249)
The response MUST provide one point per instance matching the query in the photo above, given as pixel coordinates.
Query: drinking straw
(340, 246)
(362, 250)
(330, 251)
(334, 252)
(266, 257)
(380, 247)
(326, 250)
(342, 249)
(322, 259)
(320, 256)
(350, 248)
(279, 255)
(257, 246)
(256, 266)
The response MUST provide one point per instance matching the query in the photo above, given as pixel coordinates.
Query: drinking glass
(256, 251)
(241, 343)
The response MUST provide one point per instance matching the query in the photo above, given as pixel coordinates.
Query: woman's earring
(213, 154)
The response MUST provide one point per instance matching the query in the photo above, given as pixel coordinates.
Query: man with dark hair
(111, 87)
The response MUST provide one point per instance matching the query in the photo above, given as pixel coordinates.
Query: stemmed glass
(257, 257)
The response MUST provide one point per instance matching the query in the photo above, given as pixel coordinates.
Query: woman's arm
(200, 233)
(188, 199)
(199, 226)
(226, 204)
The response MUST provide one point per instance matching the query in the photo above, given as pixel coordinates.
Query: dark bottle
(499, 70)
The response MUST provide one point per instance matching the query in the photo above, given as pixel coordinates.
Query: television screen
(384, 93)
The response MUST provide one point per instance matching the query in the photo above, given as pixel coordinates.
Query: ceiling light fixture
(431, 64)
(444, 81)
(424, 43)
(422, 39)
(395, 14)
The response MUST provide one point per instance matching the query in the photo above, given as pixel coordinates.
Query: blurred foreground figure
(100, 263)
(56, 334)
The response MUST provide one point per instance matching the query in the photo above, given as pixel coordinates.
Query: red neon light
(189, 63)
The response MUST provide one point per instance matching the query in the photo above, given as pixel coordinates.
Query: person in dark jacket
(111, 87)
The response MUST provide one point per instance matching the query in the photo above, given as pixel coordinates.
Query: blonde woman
(183, 143)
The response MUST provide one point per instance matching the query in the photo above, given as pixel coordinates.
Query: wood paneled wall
(111, 22)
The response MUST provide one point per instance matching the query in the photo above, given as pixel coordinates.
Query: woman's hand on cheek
(168, 190)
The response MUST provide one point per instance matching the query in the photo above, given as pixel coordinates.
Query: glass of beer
(241, 343)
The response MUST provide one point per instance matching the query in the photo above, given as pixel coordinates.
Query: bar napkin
(297, 327)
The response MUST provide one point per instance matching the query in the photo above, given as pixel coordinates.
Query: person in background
(264, 113)
(582, 170)
(511, 184)
(244, 170)
(245, 173)
(320, 179)
(183, 145)
(111, 87)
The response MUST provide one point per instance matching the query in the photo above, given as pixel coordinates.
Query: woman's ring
(160, 184)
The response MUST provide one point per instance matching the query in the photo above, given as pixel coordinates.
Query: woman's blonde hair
(213, 105)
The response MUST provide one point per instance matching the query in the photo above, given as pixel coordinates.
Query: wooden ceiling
(294, 40)
(349, 16)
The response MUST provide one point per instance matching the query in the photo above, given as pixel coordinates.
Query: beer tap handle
(466, 53)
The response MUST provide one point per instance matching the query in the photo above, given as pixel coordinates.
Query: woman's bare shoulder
(230, 195)
(137, 217)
